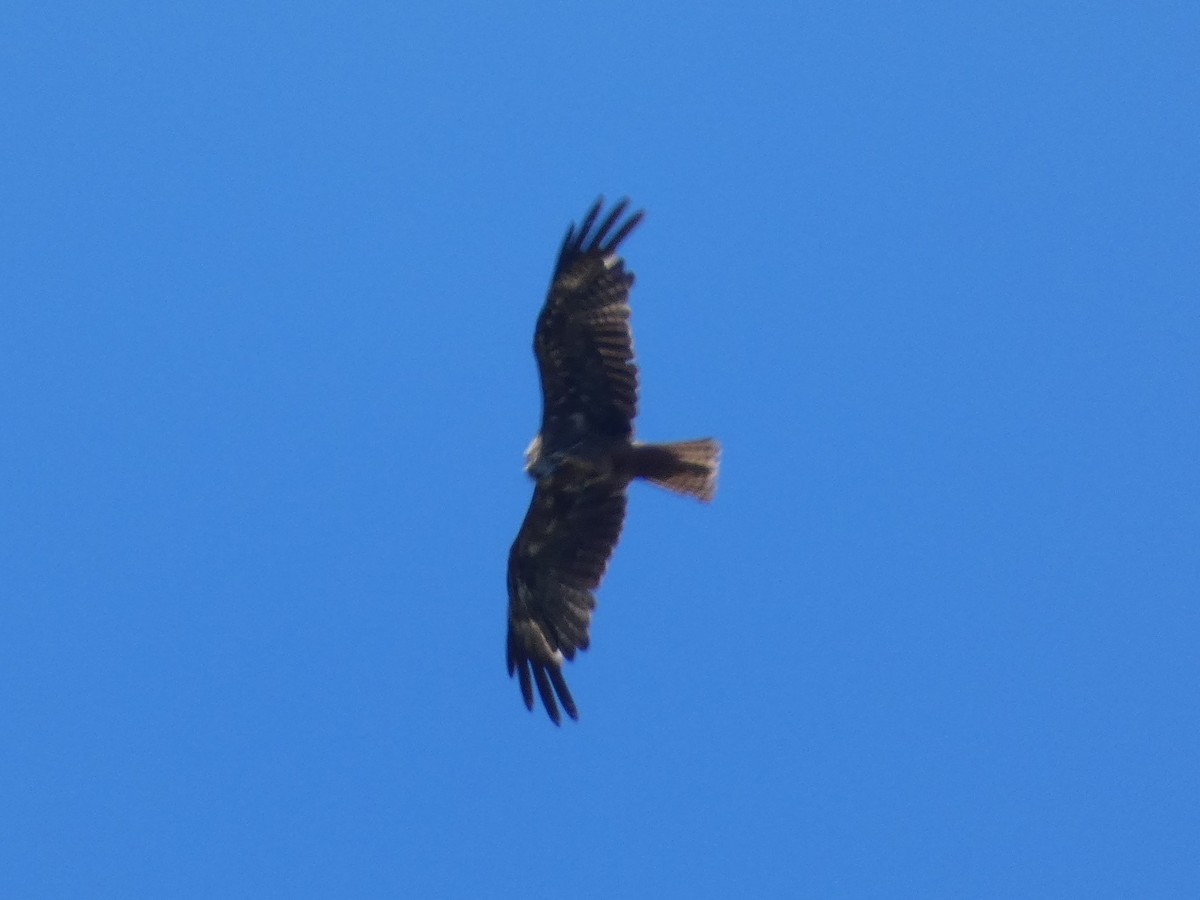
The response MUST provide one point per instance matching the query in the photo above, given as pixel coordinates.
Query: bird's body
(583, 458)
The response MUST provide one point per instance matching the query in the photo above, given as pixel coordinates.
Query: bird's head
(533, 453)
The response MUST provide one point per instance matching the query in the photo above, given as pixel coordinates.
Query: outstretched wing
(555, 563)
(583, 344)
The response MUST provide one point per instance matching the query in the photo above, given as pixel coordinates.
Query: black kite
(583, 458)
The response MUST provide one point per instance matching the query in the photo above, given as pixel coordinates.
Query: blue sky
(929, 272)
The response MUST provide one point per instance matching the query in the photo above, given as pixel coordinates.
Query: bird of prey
(584, 457)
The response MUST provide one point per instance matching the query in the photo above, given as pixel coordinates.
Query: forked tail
(685, 467)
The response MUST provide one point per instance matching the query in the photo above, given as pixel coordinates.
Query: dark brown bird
(584, 457)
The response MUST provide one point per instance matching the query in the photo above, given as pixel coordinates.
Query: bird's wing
(555, 564)
(582, 342)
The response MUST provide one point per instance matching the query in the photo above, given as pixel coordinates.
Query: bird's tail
(685, 467)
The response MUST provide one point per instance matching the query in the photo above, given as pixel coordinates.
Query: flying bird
(583, 457)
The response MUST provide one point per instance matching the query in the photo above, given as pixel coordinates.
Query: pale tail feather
(685, 467)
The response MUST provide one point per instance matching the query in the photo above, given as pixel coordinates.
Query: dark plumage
(583, 458)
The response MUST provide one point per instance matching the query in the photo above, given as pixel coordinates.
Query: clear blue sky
(268, 278)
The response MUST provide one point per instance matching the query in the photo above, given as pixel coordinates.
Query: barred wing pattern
(583, 344)
(555, 564)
